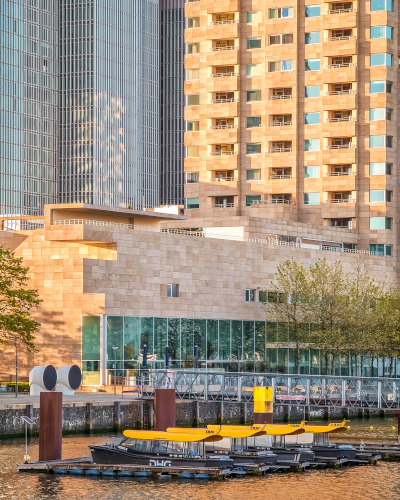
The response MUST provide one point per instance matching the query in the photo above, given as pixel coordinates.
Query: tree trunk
(391, 366)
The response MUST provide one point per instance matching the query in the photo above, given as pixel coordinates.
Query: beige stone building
(124, 278)
(291, 115)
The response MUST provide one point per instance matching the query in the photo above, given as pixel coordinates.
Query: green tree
(328, 309)
(388, 331)
(16, 302)
(286, 303)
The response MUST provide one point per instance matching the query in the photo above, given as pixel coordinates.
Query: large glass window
(253, 148)
(237, 339)
(311, 145)
(199, 335)
(193, 22)
(115, 337)
(192, 203)
(380, 168)
(312, 65)
(254, 16)
(192, 48)
(313, 10)
(91, 350)
(254, 43)
(212, 339)
(146, 334)
(224, 339)
(311, 198)
(283, 39)
(311, 172)
(193, 126)
(376, 195)
(253, 121)
(381, 32)
(379, 86)
(253, 69)
(311, 118)
(192, 177)
(381, 250)
(193, 100)
(253, 175)
(187, 345)
(174, 337)
(382, 59)
(131, 338)
(380, 141)
(160, 338)
(312, 91)
(281, 12)
(312, 38)
(280, 66)
(251, 199)
(380, 223)
(253, 95)
(380, 114)
(381, 5)
(248, 340)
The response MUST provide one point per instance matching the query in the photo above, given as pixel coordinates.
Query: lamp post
(16, 369)
(114, 348)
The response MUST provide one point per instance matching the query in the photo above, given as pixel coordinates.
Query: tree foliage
(16, 302)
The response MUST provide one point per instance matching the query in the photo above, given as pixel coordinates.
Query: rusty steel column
(164, 409)
(50, 426)
(263, 405)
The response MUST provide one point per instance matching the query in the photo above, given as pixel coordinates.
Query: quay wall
(116, 416)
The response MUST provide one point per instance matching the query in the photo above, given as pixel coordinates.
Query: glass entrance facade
(231, 345)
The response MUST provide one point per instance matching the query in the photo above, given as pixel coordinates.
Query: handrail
(341, 65)
(227, 21)
(219, 179)
(340, 92)
(220, 101)
(340, 146)
(343, 119)
(343, 200)
(223, 153)
(338, 174)
(341, 11)
(221, 127)
(337, 38)
(280, 150)
(222, 205)
(222, 75)
(274, 176)
(279, 124)
(282, 96)
(227, 47)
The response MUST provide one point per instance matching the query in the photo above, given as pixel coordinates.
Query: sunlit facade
(28, 105)
(109, 100)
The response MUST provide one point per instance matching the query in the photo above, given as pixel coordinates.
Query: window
(380, 141)
(193, 22)
(311, 145)
(311, 91)
(311, 198)
(193, 100)
(380, 114)
(381, 250)
(381, 32)
(284, 39)
(192, 48)
(254, 16)
(250, 294)
(281, 12)
(253, 121)
(253, 148)
(253, 69)
(311, 172)
(251, 199)
(192, 177)
(253, 175)
(192, 74)
(313, 10)
(262, 296)
(254, 43)
(380, 223)
(280, 66)
(192, 203)
(253, 95)
(192, 151)
(172, 290)
(381, 59)
(312, 38)
(379, 195)
(312, 65)
(311, 118)
(193, 126)
(380, 168)
(379, 86)
(381, 5)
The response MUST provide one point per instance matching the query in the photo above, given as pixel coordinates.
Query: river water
(378, 482)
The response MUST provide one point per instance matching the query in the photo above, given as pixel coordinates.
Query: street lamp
(114, 347)
(16, 368)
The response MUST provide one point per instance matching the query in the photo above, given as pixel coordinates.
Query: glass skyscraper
(172, 79)
(109, 101)
(28, 105)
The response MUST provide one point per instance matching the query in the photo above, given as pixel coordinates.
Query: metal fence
(287, 389)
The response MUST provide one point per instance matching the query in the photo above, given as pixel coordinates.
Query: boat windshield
(150, 446)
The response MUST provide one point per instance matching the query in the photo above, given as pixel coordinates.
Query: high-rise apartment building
(28, 105)
(109, 101)
(172, 53)
(291, 114)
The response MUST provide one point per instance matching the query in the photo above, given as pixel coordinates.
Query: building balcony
(340, 72)
(339, 127)
(218, 30)
(223, 55)
(272, 209)
(280, 150)
(345, 99)
(339, 154)
(340, 18)
(338, 209)
(222, 160)
(222, 6)
(334, 182)
(222, 107)
(341, 45)
(220, 82)
(218, 134)
(280, 124)
(340, 146)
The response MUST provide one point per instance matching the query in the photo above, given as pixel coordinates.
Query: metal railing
(273, 201)
(223, 153)
(343, 200)
(227, 21)
(338, 38)
(340, 146)
(275, 176)
(282, 96)
(342, 119)
(221, 127)
(227, 47)
(338, 174)
(271, 239)
(314, 390)
(224, 205)
(341, 11)
(341, 92)
(222, 75)
(340, 65)
(280, 150)
(279, 124)
(220, 101)
(220, 179)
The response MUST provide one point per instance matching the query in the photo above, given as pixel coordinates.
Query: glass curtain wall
(109, 100)
(28, 105)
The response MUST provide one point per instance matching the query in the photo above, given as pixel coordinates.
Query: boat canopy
(269, 429)
(181, 436)
(223, 431)
(330, 428)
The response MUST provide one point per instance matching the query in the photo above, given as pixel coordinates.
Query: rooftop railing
(272, 239)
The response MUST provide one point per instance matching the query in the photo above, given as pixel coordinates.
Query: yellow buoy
(393, 428)
(348, 426)
(371, 428)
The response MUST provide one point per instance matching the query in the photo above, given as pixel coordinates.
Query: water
(378, 482)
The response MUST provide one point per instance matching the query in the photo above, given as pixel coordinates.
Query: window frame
(386, 83)
(313, 113)
(387, 2)
(312, 59)
(281, 65)
(308, 201)
(312, 150)
(254, 38)
(312, 177)
(310, 7)
(192, 208)
(253, 144)
(250, 294)
(248, 92)
(253, 171)
(280, 10)
(311, 42)
(173, 290)
(386, 55)
(312, 86)
(281, 35)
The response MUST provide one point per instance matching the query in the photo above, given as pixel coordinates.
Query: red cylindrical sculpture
(263, 418)
(164, 409)
(50, 426)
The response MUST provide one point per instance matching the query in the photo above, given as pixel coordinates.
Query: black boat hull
(110, 455)
(334, 452)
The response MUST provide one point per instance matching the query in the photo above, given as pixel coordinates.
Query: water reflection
(367, 483)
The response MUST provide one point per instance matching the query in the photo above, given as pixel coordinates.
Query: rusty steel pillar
(164, 409)
(50, 426)
(263, 405)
